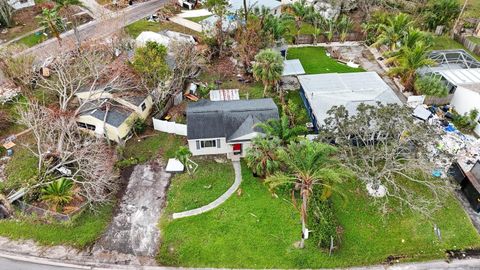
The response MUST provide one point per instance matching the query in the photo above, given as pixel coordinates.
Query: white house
(163, 38)
(226, 127)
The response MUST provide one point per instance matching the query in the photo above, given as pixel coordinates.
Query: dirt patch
(462, 254)
(25, 20)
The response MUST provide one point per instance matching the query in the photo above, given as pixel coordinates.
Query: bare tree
(389, 152)
(18, 67)
(188, 62)
(84, 159)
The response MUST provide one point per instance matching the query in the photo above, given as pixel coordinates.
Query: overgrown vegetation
(431, 86)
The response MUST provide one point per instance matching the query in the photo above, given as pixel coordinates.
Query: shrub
(139, 126)
(126, 162)
(2, 151)
(467, 121)
(322, 221)
(431, 86)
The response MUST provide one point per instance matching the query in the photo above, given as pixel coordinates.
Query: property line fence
(472, 46)
(170, 127)
(45, 213)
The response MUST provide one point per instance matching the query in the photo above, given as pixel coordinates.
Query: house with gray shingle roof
(226, 127)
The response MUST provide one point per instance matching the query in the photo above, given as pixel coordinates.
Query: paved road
(10, 264)
(99, 28)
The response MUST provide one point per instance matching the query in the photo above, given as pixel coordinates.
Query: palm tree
(183, 154)
(268, 68)
(58, 193)
(261, 157)
(409, 61)
(332, 28)
(318, 23)
(308, 164)
(276, 26)
(394, 31)
(49, 19)
(409, 41)
(65, 5)
(280, 128)
(301, 11)
(344, 25)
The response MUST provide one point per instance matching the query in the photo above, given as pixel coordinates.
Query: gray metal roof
(292, 67)
(227, 119)
(323, 91)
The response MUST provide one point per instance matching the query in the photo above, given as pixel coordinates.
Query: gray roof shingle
(227, 119)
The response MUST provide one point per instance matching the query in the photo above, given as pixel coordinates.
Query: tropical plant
(220, 9)
(467, 122)
(409, 61)
(49, 19)
(331, 26)
(58, 193)
(319, 24)
(276, 26)
(301, 11)
(183, 154)
(150, 61)
(307, 165)
(261, 157)
(6, 13)
(65, 5)
(441, 12)
(322, 220)
(268, 68)
(392, 33)
(345, 25)
(431, 86)
(373, 27)
(280, 128)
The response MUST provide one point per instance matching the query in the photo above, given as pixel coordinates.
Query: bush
(139, 126)
(126, 162)
(431, 86)
(467, 121)
(322, 222)
(2, 151)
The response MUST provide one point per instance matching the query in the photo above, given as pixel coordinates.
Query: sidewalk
(186, 23)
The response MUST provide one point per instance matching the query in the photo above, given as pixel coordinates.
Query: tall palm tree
(409, 41)
(392, 33)
(268, 68)
(49, 19)
(409, 61)
(276, 26)
(281, 129)
(301, 11)
(308, 164)
(345, 25)
(65, 5)
(261, 157)
(318, 22)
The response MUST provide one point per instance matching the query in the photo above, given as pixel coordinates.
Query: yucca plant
(58, 193)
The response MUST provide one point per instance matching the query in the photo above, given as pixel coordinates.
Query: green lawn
(198, 19)
(158, 144)
(446, 43)
(315, 61)
(80, 232)
(32, 40)
(472, 10)
(211, 180)
(138, 27)
(20, 169)
(475, 40)
(256, 230)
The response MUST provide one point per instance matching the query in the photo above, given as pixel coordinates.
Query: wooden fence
(472, 46)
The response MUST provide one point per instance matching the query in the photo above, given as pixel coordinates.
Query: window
(87, 126)
(143, 106)
(208, 144)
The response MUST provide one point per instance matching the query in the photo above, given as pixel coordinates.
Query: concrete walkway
(186, 23)
(197, 211)
(194, 13)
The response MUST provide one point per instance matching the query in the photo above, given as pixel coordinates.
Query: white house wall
(465, 100)
(223, 149)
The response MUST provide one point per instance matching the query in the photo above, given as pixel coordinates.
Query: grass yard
(315, 61)
(475, 40)
(446, 43)
(256, 230)
(79, 233)
(150, 147)
(210, 181)
(472, 10)
(21, 168)
(138, 27)
(32, 40)
(198, 19)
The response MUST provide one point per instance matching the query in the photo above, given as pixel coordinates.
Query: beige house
(110, 115)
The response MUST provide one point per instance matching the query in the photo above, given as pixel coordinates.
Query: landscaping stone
(134, 228)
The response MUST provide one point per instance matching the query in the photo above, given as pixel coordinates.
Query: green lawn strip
(315, 61)
(256, 230)
(32, 39)
(79, 233)
(446, 43)
(20, 169)
(148, 148)
(198, 19)
(138, 27)
(210, 181)
(473, 39)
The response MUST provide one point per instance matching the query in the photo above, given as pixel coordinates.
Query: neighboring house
(112, 115)
(461, 73)
(226, 127)
(321, 92)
